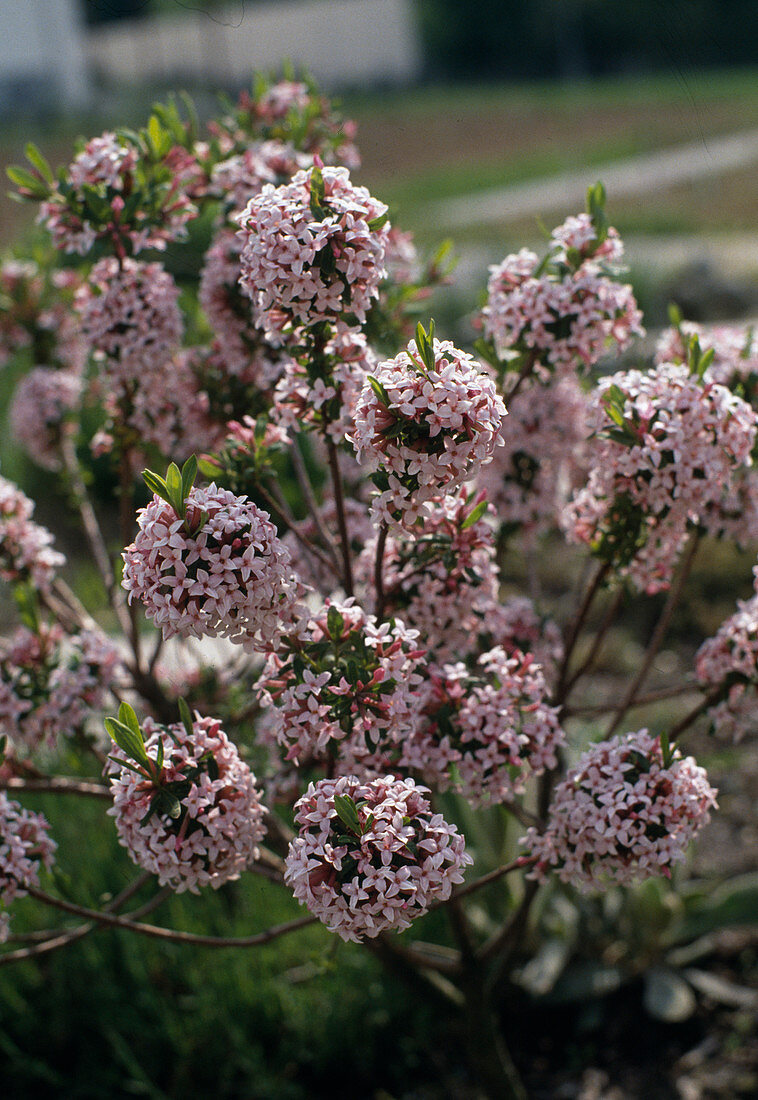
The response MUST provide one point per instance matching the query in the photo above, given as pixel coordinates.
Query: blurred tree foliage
(508, 38)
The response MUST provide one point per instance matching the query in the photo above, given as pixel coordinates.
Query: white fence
(340, 42)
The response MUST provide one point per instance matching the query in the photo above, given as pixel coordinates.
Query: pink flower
(371, 857)
(426, 428)
(26, 552)
(484, 733)
(230, 577)
(214, 836)
(310, 255)
(666, 447)
(347, 678)
(728, 664)
(50, 683)
(622, 814)
(42, 402)
(24, 846)
(544, 455)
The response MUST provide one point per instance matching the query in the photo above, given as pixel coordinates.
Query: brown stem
(170, 934)
(93, 533)
(339, 502)
(493, 876)
(694, 714)
(56, 785)
(523, 374)
(640, 701)
(306, 488)
(600, 635)
(658, 634)
(574, 629)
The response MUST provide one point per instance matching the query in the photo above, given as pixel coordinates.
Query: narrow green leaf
(186, 717)
(474, 515)
(156, 484)
(34, 156)
(189, 473)
(127, 740)
(22, 178)
(345, 809)
(335, 622)
(377, 223)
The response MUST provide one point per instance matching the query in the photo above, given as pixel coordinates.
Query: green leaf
(174, 486)
(189, 473)
(379, 390)
(22, 178)
(675, 315)
(209, 467)
(167, 803)
(127, 740)
(346, 811)
(34, 156)
(667, 996)
(474, 515)
(127, 715)
(335, 622)
(159, 755)
(377, 223)
(156, 484)
(186, 717)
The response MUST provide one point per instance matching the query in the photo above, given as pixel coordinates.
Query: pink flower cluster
(107, 166)
(568, 311)
(222, 572)
(243, 175)
(441, 580)
(24, 846)
(371, 857)
(735, 348)
(131, 317)
(622, 814)
(329, 399)
(312, 257)
(26, 552)
(529, 479)
(348, 678)
(484, 733)
(427, 429)
(666, 447)
(518, 627)
(220, 823)
(241, 348)
(41, 404)
(50, 683)
(35, 315)
(727, 664)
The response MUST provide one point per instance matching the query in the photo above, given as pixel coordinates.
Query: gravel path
(651, 171)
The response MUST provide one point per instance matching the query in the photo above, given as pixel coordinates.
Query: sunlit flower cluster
(222, 571)
(426, 429)
(25, 845)
(50, 683)
(666, 445)
(348, 677)
(26, 552)
(327, 397)
(529, 478)
(727, 665)
(568, 311)
(93, 202)
(622, 814)
(212, 836)
(484, 733)
(312, 255)
(371, 857)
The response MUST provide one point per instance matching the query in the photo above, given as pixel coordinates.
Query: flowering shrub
(336, 574)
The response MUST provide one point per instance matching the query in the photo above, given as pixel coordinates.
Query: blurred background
(475, 119)
(481, 121)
